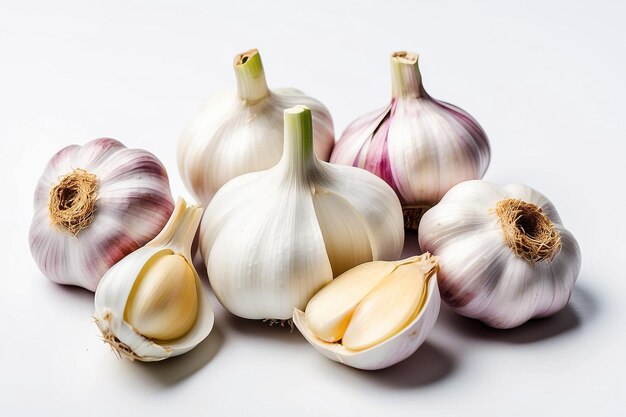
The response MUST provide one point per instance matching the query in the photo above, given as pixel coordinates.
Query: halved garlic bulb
(271, 239)
(151, 305)
(505, 255)
(95, 204)
(374, 315)
(237, 133)
(420, 146)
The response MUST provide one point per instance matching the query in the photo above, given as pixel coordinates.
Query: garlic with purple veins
(505, 256)
(94, 204)
(420, 146)
(237, 133)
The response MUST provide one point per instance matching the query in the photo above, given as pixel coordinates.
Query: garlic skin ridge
(130, 205)
(271, 239)
(115, 288)
(389, 352)
(237, 133)
(420, 146)
(480, 275)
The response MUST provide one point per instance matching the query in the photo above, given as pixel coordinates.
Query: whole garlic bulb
(271, 239)
(420, 146)
(151, 305)
(374, 315)
(95, 204)
(237, 133)
(505, 256)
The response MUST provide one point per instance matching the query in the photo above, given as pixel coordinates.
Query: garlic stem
(298, 158)
(251, 84)
(180, 229)
(406, 80)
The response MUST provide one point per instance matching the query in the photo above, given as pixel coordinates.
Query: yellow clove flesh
(163, 303)
(370, 303)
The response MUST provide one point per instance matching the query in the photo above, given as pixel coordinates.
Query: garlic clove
(110, 303)
(369, 195)
(387, 309)
(346, 240)
(163, 303)
(116, 290)
(393, 350)
(397, 345)
(329, 312)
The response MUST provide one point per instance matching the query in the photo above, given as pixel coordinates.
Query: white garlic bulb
(505, 256)
(94, 204)
(151, 305)
(271, 239)
(374, 315)
(420, 146)
(237, 133)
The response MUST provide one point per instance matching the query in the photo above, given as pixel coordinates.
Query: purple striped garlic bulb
(95, 204)
(420, 146)
(505, 255)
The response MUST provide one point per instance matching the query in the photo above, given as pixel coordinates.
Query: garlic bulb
(271, 239)
(505, 255)
(94, 204)
(374, 315)
(237, 133)
(420, 146)
(151, 305)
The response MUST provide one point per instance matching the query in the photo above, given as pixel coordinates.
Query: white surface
(546, 81)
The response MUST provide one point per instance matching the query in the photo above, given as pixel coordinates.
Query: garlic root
(73, 201)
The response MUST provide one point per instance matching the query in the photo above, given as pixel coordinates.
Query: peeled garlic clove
(163, 303)
(152, 305)
(242, 132)
(382, 333)
(271, 239)
(420, 146)
(386, 309)
(329, 316)
(505, 255)
(95, 204)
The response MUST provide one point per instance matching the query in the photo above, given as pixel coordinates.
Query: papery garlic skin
(116, 289)
(242, 132)
(271, 239)
(402, 343)
(480, 275)
(132, 204)
(420, 146)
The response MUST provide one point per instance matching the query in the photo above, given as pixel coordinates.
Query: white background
(546, 81)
